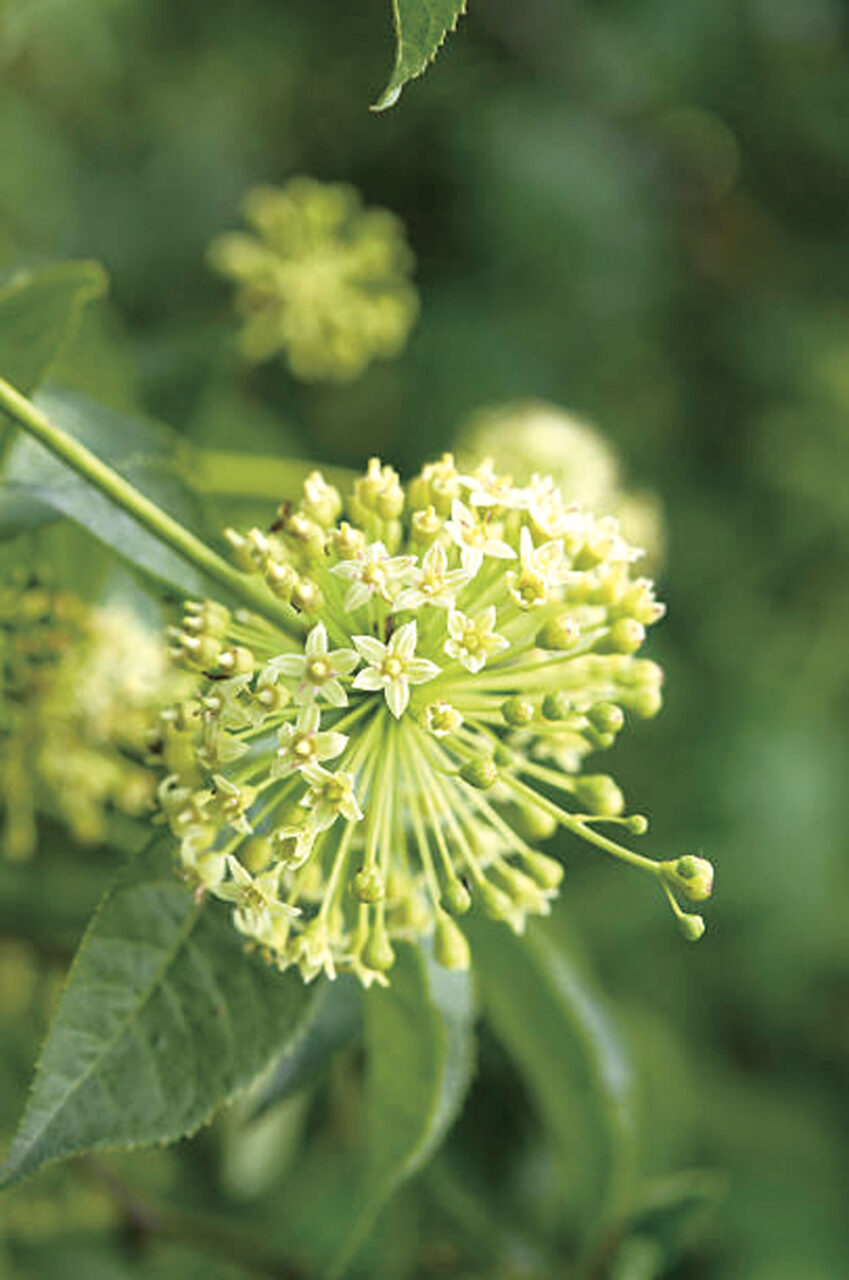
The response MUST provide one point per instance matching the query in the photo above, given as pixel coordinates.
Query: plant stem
(164, 527)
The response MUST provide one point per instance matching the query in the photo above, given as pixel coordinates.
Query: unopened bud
(518, 711)
(691, 876)
(625, 636)
(377, 953)
(544, 871)
(606, 717)
(556, 706)
(368, 885)
(306, 596)
(600, 794)
(560, 633)
(255, 854)
(494, 902)
(692, 927)
(449, 945)
(480, 772)
(455, 897)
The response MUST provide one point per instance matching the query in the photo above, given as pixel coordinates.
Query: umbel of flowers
(319, 279)
(457, 650)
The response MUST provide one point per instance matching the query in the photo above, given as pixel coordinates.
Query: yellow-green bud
(480, 772)
(368, 885)
(348, 541)
(530, 820)
(304, 534)
(561, 633)
(600, 795)
(689, 875)
(692, 927)
(255, 854)
(494, 902)
(644, 703)
(518, 711)
(449, 945)
(625, 636)
(236, 661)
(377, 953)
(556, 706)
(637, 824)
(606, 717)
(306, 596)
(544, 871)
(390, 501)
(426, 525)
(455, 897)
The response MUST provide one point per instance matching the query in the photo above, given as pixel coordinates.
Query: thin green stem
(164, 527)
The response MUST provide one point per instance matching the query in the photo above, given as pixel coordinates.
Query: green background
(638, 210)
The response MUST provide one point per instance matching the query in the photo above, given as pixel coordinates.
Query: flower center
(393, 667)
(318, 670)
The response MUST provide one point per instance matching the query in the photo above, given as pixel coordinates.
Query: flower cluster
(532, 435)
(81, 686)
(321, 279)
(457, 649)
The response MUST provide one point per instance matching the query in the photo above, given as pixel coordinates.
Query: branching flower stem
(163, 526)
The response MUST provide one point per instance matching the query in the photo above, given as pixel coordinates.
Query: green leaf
(420, 29)
(36, 486)
(420, 1055)
(553, 1022)
(335, 1021)
(163, 1018)
(39, 311)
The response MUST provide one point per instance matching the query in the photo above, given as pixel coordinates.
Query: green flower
(320, 279)
(465, 645)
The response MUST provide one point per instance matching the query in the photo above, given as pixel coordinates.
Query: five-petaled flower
(393, 667)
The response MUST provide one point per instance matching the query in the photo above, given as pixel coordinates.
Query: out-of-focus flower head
(319, 279)
(532, 436)
(82, 686)
(457, 649)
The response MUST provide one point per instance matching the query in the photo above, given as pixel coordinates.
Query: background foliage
(637, 210)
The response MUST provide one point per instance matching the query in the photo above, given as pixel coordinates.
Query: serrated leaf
(39, 311)
(555, 1025)
(163, 1018)
(335, 1020)
(420, 1055)
(39, 486)
(420, 29)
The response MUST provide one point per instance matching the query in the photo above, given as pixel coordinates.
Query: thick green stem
(147, 513)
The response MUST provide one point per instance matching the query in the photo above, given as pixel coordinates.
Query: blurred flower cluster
(320, 279)
(80, 685)
(457, 649)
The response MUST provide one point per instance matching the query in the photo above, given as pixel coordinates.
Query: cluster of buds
(80, 689)
(320, 278)
(394, 757)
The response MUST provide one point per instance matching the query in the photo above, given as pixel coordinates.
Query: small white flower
(433, 583)
(301, 743)
(488, 489)
(329, 795)
(373, 572)
(393, 667)
(442, 719)
(474, 538)
(540, 570)
(472, 640)
(318, 670)
(254, 897)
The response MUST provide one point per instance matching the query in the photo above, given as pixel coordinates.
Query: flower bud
(306, 596)
(625, 636)
(606, 717)
(530, 821)
(449, 945)
(544, 871)
(495, 904)
(255, 854)
(377, 952)
(692, 927)
(480, 772)
(455, 897)
(368, 885)
(518, 711)
(600, 794)
(556, 706)
(561, 633)
(689, 875)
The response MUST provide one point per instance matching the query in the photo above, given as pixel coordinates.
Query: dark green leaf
(420, 28)
(163, 1018)
(554, 1024)
(143, 452)
(420, 1058)
(335, 1020)
(39, 311)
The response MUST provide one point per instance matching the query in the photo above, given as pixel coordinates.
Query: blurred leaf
(554, 1023)
(670, 1217)
(39, 311)
(420, 1059)
(142, 451)
(164, 1016)
(420, 29)
(335, 1020)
